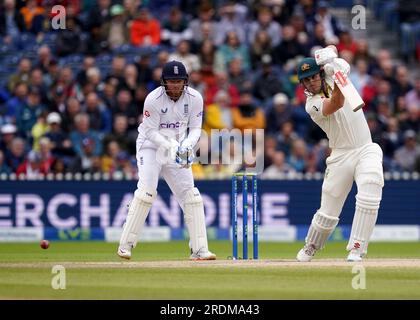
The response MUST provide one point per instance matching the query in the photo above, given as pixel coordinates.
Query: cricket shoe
(124, 253)
(203, 255)
(306, 253)
(355, 254)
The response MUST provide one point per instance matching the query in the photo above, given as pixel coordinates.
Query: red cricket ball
(44, 244)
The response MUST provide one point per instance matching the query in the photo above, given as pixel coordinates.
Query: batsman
(354, 157)
(171, 127)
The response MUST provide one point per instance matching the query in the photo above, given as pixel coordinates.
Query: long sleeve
(151, 120)
(194, 124)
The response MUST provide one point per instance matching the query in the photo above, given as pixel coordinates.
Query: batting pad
(364, 221)
(321, 228)
(195, 220)
(137, 214)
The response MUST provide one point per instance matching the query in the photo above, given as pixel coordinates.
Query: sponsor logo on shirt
(172, 125)
(316, 109)
(164, 111)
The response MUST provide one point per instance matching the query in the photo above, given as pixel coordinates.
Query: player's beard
(174, 94)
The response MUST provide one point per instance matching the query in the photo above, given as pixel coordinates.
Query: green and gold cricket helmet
(307, 68)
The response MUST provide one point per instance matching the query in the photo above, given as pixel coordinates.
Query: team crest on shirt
(186, 108)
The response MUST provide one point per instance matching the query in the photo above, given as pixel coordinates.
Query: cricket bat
(348, 90)
(344, 84)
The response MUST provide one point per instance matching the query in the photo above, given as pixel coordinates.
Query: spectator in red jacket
(145, 30)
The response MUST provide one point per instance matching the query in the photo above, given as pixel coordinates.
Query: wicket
(234, 213)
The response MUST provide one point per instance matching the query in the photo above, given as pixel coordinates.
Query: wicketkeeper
(353, 158)
(165, 148)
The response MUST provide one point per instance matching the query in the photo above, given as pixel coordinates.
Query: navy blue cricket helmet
(174, 70)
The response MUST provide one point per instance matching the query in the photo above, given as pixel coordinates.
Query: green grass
(201, 283)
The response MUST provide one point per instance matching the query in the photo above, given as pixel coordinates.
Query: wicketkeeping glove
(185, 157)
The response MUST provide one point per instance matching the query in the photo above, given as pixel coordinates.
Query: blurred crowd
(75, 105)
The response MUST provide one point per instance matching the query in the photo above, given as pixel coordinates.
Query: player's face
(174, 88)
(313, 83)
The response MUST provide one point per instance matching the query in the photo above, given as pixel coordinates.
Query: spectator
(83, 132)
(46, 157)
(11, 21)
(8, 133)
(16, 104)
(4, 168)
(60, 143)
(289, 48)
(44, 58)
(22, 74)
(131, 76)
(298, 155)
(15, 154)
(279, 167)
(115, 31)
(87, 161)
(218, 115)
(360, 77)
(221, 83)
(68, 40)
(99, 14)
(347, 43)
(145, 30)
(285, 137)
(37, 81)
(265, 22)
(175, 29)
(412, 98)
(231, 49)
(183, 54)
(237, 76)
(144, 70)
(248, 115)
(99, 116)
(279, 113)
(120, 135)
(29, 113)
(232, 20)
(125, 106)
(267, 83)
(332, 27)
(204, 27)
(406, 155)
(33, 16)
(31, 166)
(392, 138)
(259, 47)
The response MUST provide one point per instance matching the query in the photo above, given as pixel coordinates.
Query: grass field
(162, 271)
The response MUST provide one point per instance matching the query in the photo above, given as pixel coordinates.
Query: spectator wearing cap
(233, 48)
(265, 22)
(266, 83)
(279, 113)
(8, 133)
(248, 115)
(145, 30)
(60, 143)
(116, 31)
(406, 156)
(175, 28)
(30, 112)
(83, 131)
(15, 153)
